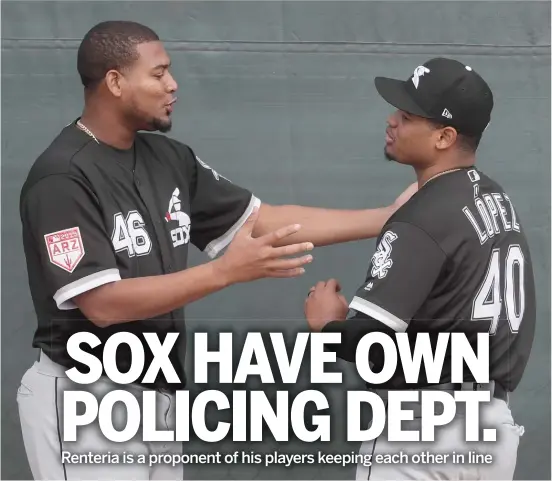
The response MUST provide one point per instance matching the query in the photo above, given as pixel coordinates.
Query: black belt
(497, 390)
(500, 392)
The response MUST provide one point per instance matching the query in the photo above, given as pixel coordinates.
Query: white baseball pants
(449, 440)
(40, 401)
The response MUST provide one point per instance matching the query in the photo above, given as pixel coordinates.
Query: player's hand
(324, 304)
(248, 258)
(405, 196)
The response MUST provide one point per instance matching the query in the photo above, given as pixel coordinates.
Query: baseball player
(454, 258)
(108, 212)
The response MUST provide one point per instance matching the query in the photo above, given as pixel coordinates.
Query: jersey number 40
(488, 302)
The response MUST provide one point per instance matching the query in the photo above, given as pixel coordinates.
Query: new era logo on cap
(443, 90)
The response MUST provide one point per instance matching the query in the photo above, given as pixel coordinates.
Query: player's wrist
(221, 272)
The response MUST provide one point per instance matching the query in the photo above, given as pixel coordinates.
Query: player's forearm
(146, 297)
(323, 226)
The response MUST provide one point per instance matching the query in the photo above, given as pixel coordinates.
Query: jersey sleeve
(63, 225)
(218, 208)
(352, 330)
(403, 270)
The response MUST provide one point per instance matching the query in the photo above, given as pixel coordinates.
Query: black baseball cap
(443, 90)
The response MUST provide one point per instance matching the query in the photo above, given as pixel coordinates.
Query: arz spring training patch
(65, 248)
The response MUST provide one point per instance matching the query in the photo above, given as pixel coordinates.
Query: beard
(155, 124)
(144, 121)
(160, 125)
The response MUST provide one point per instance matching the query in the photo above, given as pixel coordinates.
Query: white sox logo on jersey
(180, 235)
(381, 261)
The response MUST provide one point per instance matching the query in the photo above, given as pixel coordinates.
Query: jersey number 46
(130, 234)
(488, 302)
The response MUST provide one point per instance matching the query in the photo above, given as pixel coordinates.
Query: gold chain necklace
(441, 173)
(85, 129)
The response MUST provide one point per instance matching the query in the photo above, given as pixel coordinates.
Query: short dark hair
(110, 45)
(466, 141)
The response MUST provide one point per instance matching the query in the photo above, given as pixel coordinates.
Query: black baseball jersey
(92, 214)
(455, 259)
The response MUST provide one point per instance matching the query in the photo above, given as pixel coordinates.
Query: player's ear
(445, 138)
(114, 82)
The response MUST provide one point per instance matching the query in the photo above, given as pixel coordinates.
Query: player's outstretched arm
(246, 259)
(329, 226)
